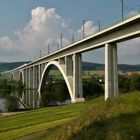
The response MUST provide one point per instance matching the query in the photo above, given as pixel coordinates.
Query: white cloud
(45, 27)
(89, 29)
(131, 47)
(132, 13)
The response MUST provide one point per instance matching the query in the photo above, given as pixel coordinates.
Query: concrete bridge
(69, 61)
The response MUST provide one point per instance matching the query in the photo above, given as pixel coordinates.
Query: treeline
(129, 83)
(4, 66)
(87, 66)
(7, 88)
(56, 90)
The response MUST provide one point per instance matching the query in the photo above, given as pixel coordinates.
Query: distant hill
(4, 66)
(86, 66)
(121, 67)
(92, 66)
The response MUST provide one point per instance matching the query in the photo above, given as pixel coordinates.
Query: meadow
(32, 121)
(118, 118)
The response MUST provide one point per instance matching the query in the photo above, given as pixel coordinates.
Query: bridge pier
(77, 78)
(111, 71)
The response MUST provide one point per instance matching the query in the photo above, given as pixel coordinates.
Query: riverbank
(8, 113)
(116, 118)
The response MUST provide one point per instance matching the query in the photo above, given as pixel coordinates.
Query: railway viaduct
(69, 61)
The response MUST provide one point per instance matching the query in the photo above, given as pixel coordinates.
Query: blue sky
(23, 22)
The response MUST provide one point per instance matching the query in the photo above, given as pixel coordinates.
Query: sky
(28, 26)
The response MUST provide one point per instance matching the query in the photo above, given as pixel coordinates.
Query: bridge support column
(68, 65)
(111, 71)
(39, 78)
(27, 86)
(36, 86)
(77, 78)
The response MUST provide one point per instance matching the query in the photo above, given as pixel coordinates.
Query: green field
(116, 119)
(40, 119)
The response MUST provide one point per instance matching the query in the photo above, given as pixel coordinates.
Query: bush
(92, 88)
(54, 91)
(129, 83)
(7, 86)
(134, 82)
(11, 103)
(123, 83)
(0, 111)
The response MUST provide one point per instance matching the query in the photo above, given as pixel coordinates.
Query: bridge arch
(61, 69)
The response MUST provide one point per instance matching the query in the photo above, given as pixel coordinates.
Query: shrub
(123, 83)
(11, 103)
(54, 91)
(92, 88)
(134, 82)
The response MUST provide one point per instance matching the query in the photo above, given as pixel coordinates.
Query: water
(11, 101)
(3, 105)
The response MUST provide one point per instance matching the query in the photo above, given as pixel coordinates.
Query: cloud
(131, 47)
(89, 28)
(132, 13)
(45, 27)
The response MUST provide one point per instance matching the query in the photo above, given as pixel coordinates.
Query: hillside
(4, 66)
(115, 119)
(87, 66)
(121, 67)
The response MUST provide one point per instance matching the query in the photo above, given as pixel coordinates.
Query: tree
(11, 103)
(55, 90)
(92, 88)
(123, 83)
(134, 82)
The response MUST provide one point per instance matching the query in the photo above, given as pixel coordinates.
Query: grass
(116, 119)
(29, 122)
(2, 77)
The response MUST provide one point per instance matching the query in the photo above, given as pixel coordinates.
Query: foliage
(123, 83)
(86, 66)
(94, 119)
(11, 103)
(55, 91)
(10, 65)
(112, 120)
(129, 82)
(29, 122)
(92, 87)
(134, 82)
(8, 85)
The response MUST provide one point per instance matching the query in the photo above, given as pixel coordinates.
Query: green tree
(123, 83)
(61, 92)
(11, 103)
(134, 82)
(55, 90)
(92, 88)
